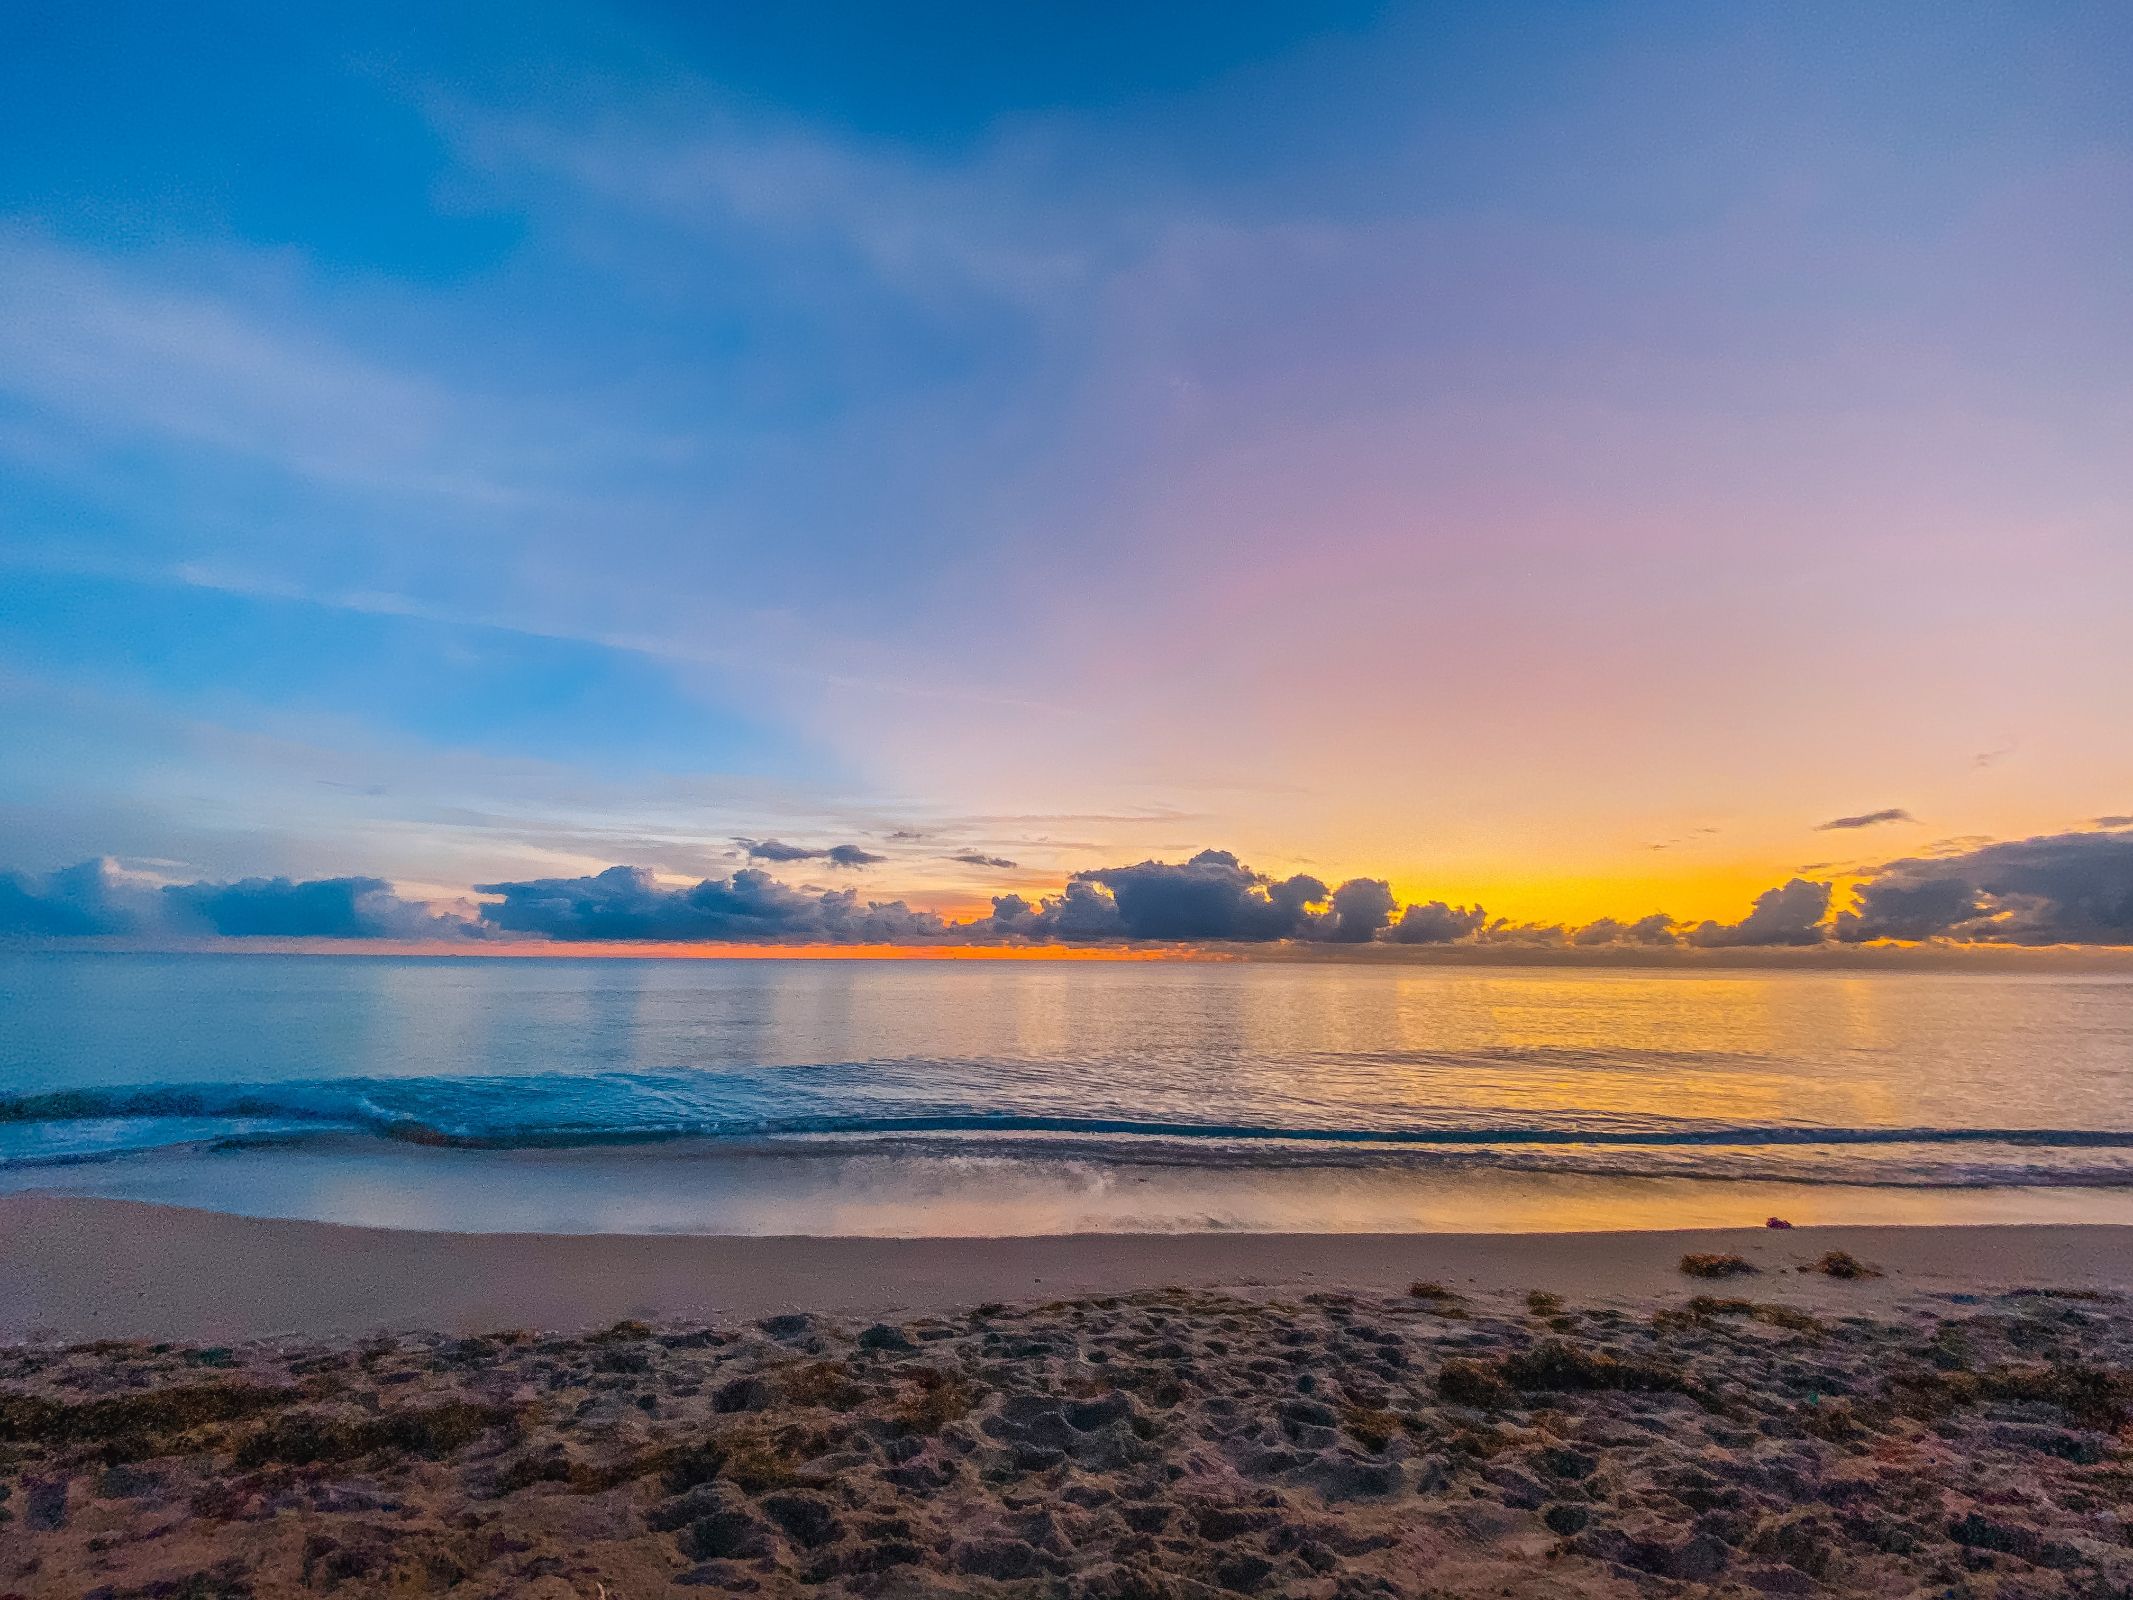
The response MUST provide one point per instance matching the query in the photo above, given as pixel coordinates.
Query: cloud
(1701, 831)
(837, 855)
(94, 898)
(1865, 819)
(124, 355)
(1529, 935)
(1960, 845)
(1901, 906)
(2113, 822)
(1791, 914)
(2067, 888)
(319, 908)
(927, 230)
(1078, 912)
(1211, 898)
(1656, 929)
(74, 902)
(750, 906)
(1362, 909)
(1434, 922)
(776, 850)
(2071, 888)
(977, 858)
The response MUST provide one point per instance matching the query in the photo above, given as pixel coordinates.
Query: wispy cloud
(837, 855)
(1694, 835)
(222, 578)
(931, 227)
(1865, 819)
(125, 354)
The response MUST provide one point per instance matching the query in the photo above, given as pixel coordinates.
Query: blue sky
(1477, 444)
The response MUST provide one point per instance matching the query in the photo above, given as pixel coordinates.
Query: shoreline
(976, 1189)
(76, 1267)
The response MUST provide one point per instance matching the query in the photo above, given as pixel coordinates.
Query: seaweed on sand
(1841, 1264)
(938, 1398)
(1553, 1366)
(1705, 1307)
(142, 1424)
(1556, 1364)
(306, 1438)
(1716, 1264)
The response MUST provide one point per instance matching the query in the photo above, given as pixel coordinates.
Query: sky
(1582, 462)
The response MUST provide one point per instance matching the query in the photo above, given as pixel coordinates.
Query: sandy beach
(76, 1268)
(196, 1405)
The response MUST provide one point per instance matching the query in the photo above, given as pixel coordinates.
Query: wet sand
(79, 1268)
(201, 1408)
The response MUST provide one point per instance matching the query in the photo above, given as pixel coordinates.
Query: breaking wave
(706, 1113)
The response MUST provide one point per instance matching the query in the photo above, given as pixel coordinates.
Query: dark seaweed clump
(1554, 1366)
(306, 1438)
(1716, 1264)
(132, 1426)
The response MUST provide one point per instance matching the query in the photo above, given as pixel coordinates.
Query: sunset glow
(1570, 468)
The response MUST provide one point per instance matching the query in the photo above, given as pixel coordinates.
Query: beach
(75, 1269)
(202, 1405)
(612, 1280)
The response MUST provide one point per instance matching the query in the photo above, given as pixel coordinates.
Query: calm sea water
(902, 1096)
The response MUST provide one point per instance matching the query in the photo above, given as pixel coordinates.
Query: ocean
(997, 1097)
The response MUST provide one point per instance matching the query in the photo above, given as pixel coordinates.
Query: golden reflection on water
(1277, 1043)
(1243, 1046)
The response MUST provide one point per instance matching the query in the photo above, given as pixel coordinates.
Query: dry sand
(1330, 1417)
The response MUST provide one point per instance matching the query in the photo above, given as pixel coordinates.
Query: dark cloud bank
(750, 906)
(2068, 888)
(2061, 889)
(95, 899)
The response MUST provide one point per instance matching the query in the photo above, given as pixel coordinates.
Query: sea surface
(968, 1097)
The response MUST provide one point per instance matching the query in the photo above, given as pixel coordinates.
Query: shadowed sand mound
(1182, 1443)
